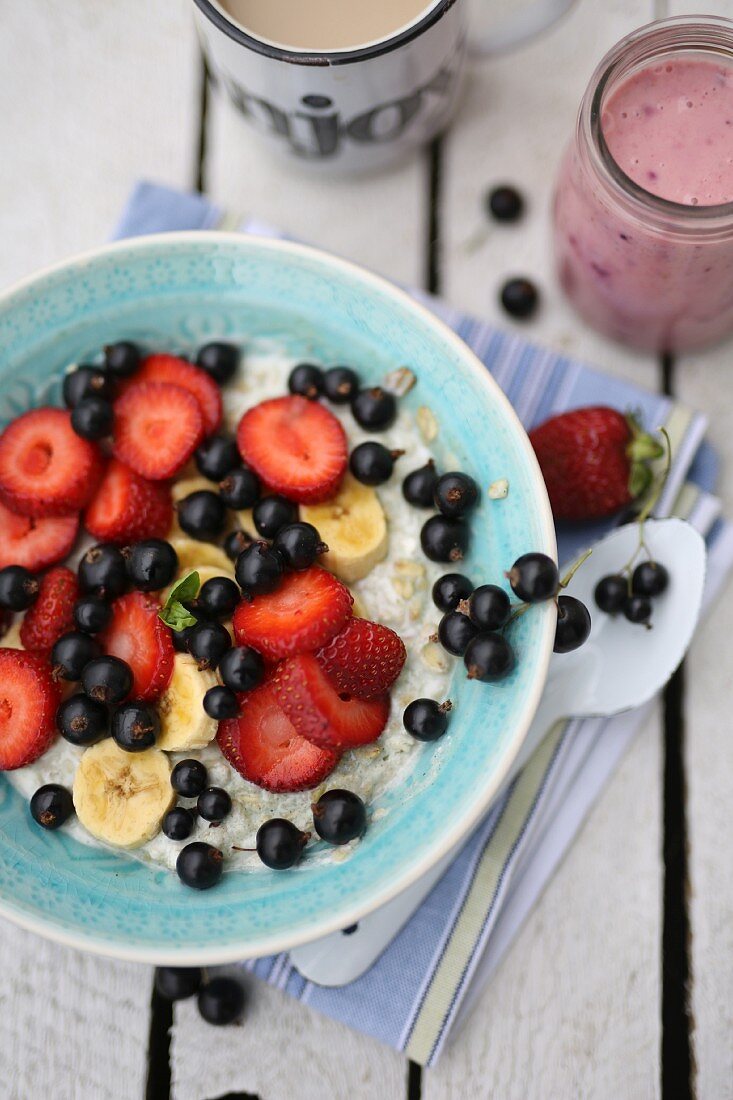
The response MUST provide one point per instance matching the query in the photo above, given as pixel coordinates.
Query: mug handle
(525, 24)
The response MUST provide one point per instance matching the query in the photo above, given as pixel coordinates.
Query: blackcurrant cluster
(189, 780)
(633, 593)
(443, 537)
(374, 408)
(220, 999)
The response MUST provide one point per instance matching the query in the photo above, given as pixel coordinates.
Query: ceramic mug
(364, 107)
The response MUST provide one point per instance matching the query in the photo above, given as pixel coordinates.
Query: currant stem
(574, 569)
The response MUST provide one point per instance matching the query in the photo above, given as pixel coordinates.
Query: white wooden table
(96, 95)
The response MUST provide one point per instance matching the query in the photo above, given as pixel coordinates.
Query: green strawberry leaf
(174, 614)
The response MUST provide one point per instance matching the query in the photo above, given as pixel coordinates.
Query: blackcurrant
(180, 638)
(152, 564)
(235, 543)
(489, 607)
(534, 577)
(214, 804)
(121, 359)
(208, 642)
(51, 805)
(218, 597)
(86, 382)
(216, 456)
(374, 409)
(92, 418)
(455, 631)
(455, 493)
(611, 593)
(240, 488)
(638, 609)
(298, 544)
(81, 720)
(450, 589)
(72, 653)
(307, 380)
(258, 569)
(272, 513)
(92, 614)
(220, 360)
(18, 588)
(178, 823)
(573, 624)
(339, 816)
(488, 657)
(135, 726)
(202, 515)
(340, 385)
(280, 843)
(221, 703)
(519, 298)
(425, 719)
(444, 539)
(221, 1001)
(107, 679)
(200, 865)
(188, 778)
(504, 203)
(241, 668)
(418, 488)
(102, 570)
(372, 464)
(649, 579)
(177, 983)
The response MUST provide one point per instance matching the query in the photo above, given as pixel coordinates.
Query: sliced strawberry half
(53, 612)
(46, 469)
(157, 428)
(329, 718)
(179, 372)
(35, 543)
(264, 748)
(301, 615)
(29, 698)
(138, 636)
(127, 507)
(365, 659)
(296, 446)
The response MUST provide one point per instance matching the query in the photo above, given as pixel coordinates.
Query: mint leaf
(174, 614)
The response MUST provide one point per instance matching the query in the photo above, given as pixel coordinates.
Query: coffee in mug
(324, 24)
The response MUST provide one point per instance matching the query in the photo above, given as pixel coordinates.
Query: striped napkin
(424, 984)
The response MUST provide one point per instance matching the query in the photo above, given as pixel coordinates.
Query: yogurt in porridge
(396, 592)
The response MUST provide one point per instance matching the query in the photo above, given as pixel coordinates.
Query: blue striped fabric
(386, 1001)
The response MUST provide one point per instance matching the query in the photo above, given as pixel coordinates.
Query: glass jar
(644, 270)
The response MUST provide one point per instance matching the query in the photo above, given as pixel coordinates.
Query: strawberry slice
(263, 746)
(46, 469)
(296, 446)
(329, 718)
(29, 698)
(157, 428)
(301, 615)
(138, 636)
(365, 659)
(35, 543)
(179, 372)
(53, 612)
(127, 507)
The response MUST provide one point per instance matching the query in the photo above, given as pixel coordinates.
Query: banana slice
(354, 528)
(193, 554)
(121, 797)
(11, 638)
(188, 485)
(184, 724)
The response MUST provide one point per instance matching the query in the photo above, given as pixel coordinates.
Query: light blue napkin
(434, 969)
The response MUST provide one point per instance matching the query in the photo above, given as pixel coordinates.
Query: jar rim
(662, 33)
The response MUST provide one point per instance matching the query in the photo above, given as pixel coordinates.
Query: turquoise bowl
(176, 291)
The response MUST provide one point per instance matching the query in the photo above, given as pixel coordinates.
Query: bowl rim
(460, 829)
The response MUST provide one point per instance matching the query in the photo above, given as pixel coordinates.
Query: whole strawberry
(595, 461)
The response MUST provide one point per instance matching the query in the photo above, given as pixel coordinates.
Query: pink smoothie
(670, 128)
(648, 279)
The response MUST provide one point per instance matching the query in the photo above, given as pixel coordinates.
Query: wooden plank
(574, 1007)
(92, 97)
(281, 1051)
(377, 220)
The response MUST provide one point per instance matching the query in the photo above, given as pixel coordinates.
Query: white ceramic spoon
(620, 667)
